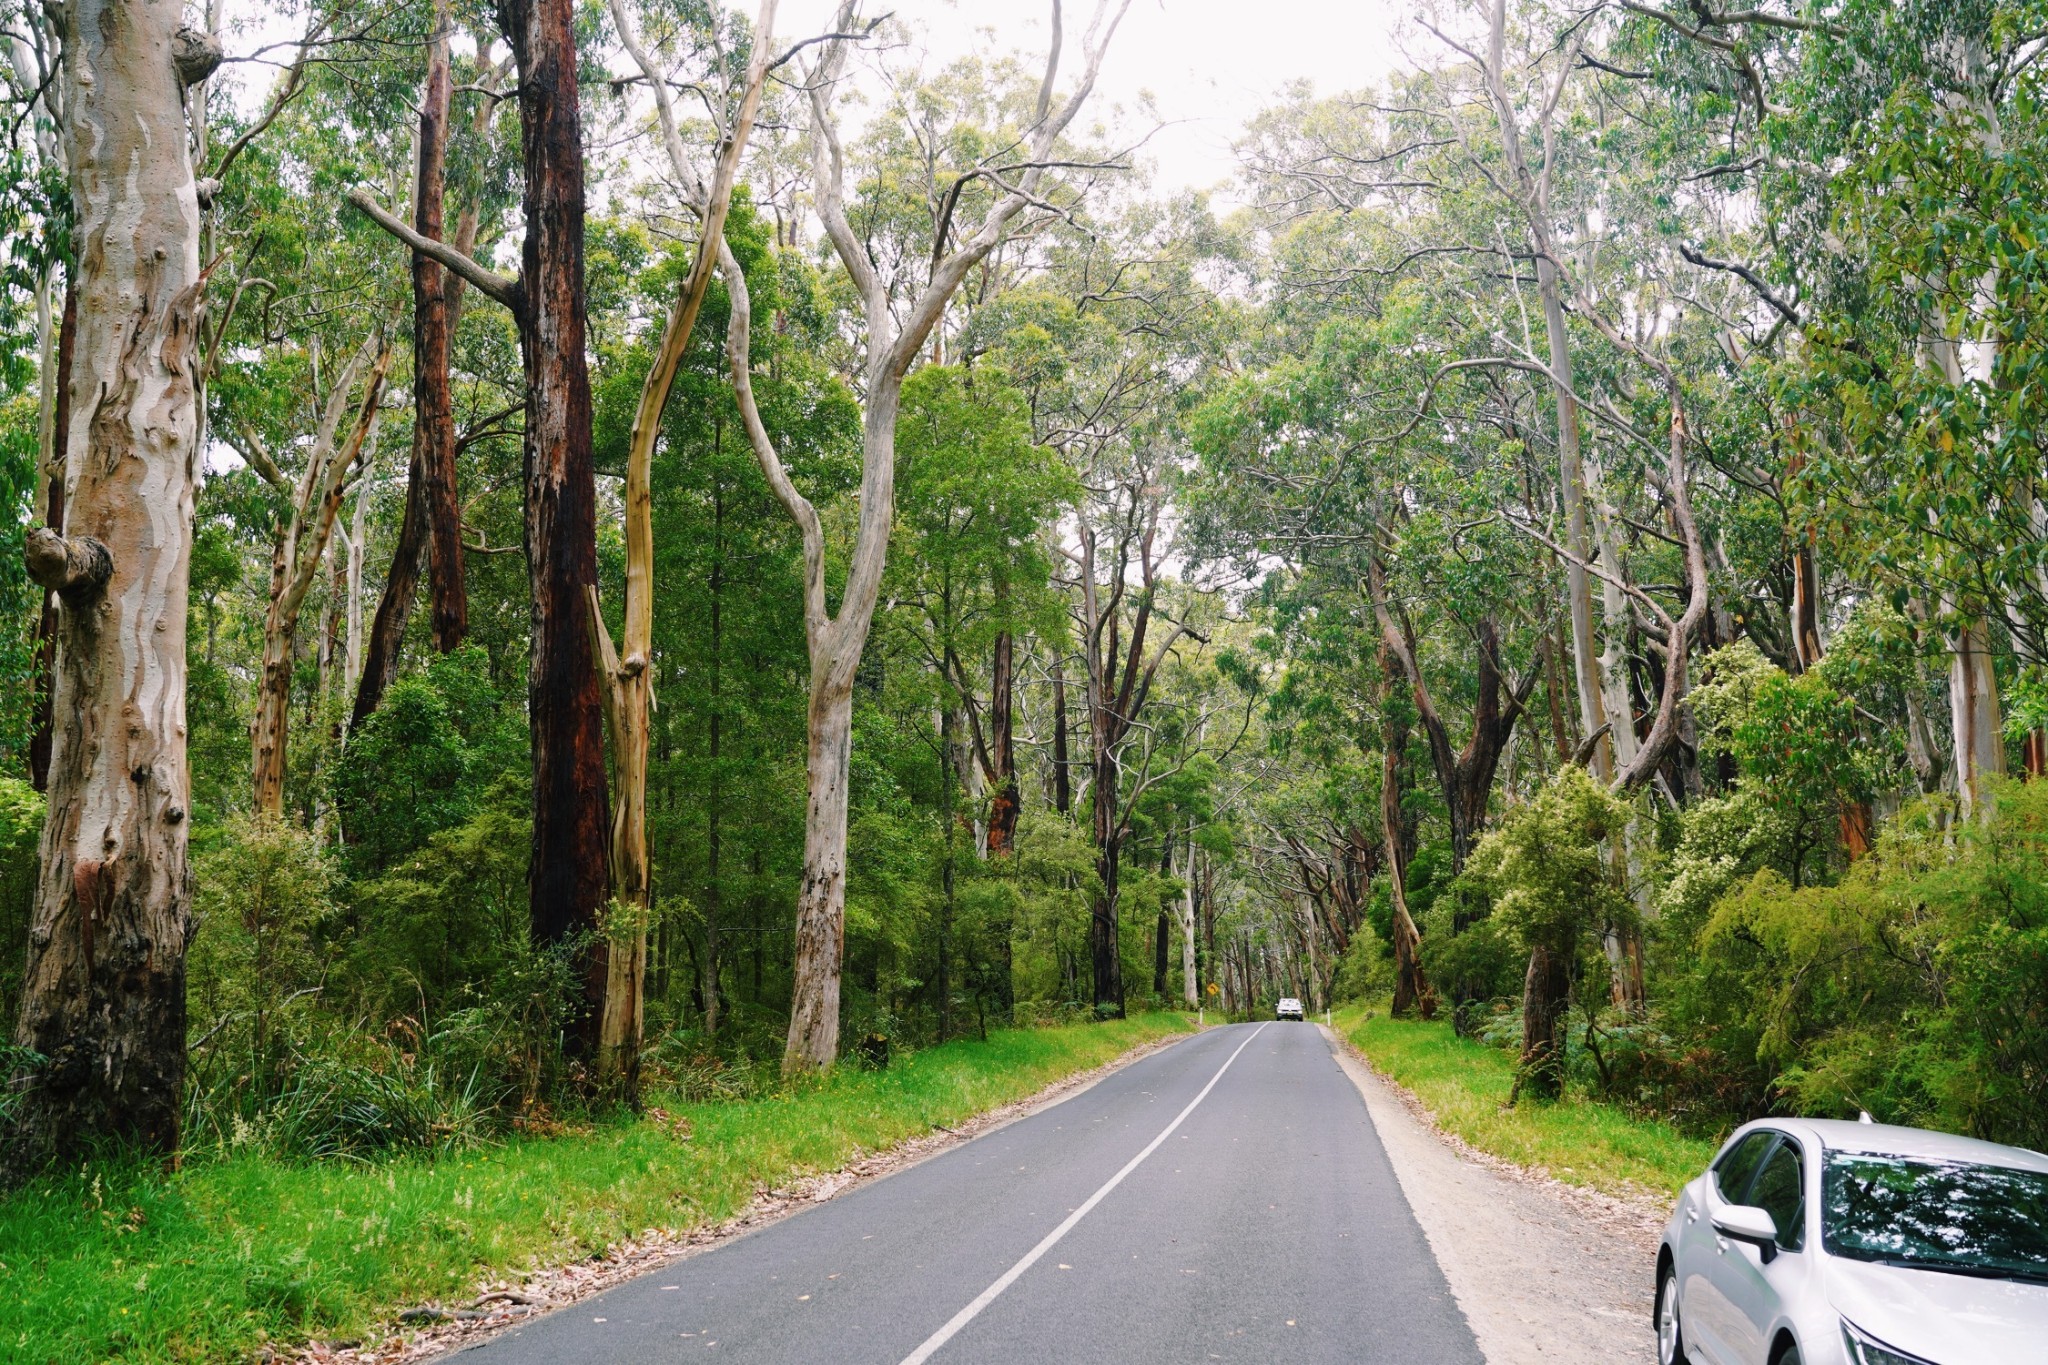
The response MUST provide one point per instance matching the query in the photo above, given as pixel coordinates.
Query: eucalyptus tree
(103, 996)
(430, 527)
(897, 316)
(1900, 148)
(629, 680)
(570, 874)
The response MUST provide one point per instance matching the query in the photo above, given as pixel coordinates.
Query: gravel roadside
(1544, 1271)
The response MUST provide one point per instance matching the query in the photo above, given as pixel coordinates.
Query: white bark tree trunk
(104, 993)
(893, 345)
(1190, 987)
(1978, 728)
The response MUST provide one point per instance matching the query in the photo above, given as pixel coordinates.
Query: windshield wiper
(1973, 1269)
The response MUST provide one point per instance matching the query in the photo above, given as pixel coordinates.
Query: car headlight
(1863, 1350)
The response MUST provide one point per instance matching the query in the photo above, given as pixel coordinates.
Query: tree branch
(509, 292)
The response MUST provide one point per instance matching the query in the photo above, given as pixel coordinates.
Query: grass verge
(213, 1262)
(1465, 1086)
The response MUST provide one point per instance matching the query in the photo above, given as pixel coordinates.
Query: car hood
(1948, 1319)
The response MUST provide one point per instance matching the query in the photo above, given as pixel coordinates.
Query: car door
(1749, 1290)
(1703, 1304)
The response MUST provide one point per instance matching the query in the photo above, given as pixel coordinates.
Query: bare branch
(509, 292)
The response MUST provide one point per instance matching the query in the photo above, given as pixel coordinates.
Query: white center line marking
(1009, 1277)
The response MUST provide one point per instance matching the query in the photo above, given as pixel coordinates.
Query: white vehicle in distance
(1824, 1242)
(1288, 1008)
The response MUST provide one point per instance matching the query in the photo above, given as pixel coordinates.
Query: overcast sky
(1208, 64)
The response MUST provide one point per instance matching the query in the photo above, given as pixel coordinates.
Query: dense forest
(560, 546)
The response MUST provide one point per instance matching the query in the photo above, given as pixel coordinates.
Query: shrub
(1916, 988)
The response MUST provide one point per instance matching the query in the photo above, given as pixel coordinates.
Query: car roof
(1888, 1139)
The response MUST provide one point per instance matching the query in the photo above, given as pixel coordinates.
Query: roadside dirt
(434, 1329)
(1544, 1271)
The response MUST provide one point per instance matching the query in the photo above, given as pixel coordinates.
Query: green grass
(1465, 1086)
(210, 1263)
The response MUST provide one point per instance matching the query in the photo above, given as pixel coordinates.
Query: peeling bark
(1974, 715)
(103, 996)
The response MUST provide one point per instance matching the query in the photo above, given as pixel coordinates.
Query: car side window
(1779, 1191)
(1739, 1163)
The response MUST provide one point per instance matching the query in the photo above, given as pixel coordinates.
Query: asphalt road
(1266, 1227)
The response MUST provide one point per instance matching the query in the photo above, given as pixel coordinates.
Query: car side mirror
(1748, 1223)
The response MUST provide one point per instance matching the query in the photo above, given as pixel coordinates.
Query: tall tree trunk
(433, 404)
(1978, 729)
(1104, 952)
(1190, 983)
(714, 813)
(953, 766)
(569, 877)
(894, 340)
(103, 995)
(1162, 928)
(813, 1042)
(383, 647)
(1411, 987)
(628, 683)
(1062, 779)
(1003, 803)
(385, 643)
(54, 478)
(1578, 535)
(358, 544)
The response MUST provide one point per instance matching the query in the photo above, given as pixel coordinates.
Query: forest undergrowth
(246, 1248)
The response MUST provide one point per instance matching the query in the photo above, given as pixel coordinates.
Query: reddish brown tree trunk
(569, 877)
(1104, 955)
(383, 649)
(433, 406)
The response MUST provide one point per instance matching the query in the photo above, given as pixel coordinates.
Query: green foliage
(1546, 868)
(21, 822)
(1911, 989)
(264, 901)
(424, 760)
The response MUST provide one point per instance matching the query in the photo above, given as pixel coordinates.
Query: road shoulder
(1544, 1272)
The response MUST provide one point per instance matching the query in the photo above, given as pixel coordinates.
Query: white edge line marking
(1009, 1277)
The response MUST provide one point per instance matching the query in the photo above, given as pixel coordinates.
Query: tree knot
(76, 568)
(196, 54)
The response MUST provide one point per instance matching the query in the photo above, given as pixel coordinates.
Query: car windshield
(1939, 1215)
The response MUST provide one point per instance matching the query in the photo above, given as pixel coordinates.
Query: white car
(1823, 1242)
(1288, 1008)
